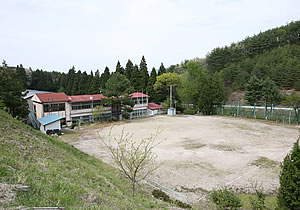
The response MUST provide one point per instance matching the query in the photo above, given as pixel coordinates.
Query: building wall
(68, 114)
(59, 113)
(52, 126)
(39, 111)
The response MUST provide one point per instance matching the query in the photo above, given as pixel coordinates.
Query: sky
(91, 34)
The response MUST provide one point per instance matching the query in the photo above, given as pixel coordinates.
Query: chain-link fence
(278, 114)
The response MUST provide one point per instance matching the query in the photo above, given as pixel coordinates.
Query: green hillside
(58, 174)
(273, 53)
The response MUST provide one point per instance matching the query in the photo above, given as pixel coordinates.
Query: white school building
(80, 107)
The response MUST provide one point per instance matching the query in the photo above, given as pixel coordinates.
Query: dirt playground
(201, 153)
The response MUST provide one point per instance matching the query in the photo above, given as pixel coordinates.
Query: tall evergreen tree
(104, 77)
(150, 87)
(22, 74)
(96, 83)
(11, 88)
(161, 69)
(136, 81)
(129, 69)
(270, 94)
(70, 81)
(144, 74)
(253, 90)
(119, 68)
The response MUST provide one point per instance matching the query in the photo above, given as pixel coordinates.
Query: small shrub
(190, 111)
(225, 199)
(114, 119)
(183, 205)
(258, 203)
(73, 125)
(126, 115)
(161, 195)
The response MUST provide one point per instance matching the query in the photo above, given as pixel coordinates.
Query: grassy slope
(58, 174)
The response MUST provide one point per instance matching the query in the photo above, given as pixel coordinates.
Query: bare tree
(136, 159)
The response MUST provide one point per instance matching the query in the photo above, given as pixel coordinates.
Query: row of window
(75, 106)
(54, 107)
(140, 112)
(86, 105)
(86, 118)
(140, 100)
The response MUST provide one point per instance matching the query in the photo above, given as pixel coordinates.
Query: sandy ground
(200, 153)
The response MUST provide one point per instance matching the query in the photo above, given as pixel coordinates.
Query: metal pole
(171, 96)
(254, 110)
(289, 116)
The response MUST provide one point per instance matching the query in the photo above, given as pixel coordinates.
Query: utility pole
(171, 96)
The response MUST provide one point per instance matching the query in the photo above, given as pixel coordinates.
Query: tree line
(273, 53)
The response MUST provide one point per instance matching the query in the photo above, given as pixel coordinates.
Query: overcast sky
(92, 34)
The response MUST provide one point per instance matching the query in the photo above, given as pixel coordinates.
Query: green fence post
(289, 116)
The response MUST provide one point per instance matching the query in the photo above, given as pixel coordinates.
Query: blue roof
(49, 119)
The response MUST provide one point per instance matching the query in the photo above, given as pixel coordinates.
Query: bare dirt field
(201, 153)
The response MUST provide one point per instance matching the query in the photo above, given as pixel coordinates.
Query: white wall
(51, 126)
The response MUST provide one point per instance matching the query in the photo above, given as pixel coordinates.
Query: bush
(190, 111)
(163, 196)
(258, 202)
(289, 190)
(225, 199)
(126, 115)
(183, 205)
(73, 125)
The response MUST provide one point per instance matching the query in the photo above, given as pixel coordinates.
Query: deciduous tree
(135, 158)
(293, 101)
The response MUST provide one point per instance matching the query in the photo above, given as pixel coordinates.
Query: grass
(60, 175)
(265, 163)
(270, 201)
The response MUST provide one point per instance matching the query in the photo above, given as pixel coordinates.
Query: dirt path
(201, 153)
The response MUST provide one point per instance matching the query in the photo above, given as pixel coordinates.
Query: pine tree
(253, 90)
(11, 88)
(288, 196)
(136, 81)
(129, 69)
(144, 73)
(161, 69)
(96, 83)
(104, 77)
(70, 80)
(270, 94)
(22, 74)
(119, 68)
(150, 87)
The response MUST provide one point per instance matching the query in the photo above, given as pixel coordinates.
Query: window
(54, 107)
(81, 105)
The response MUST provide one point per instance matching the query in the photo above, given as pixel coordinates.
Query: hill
(273, 53)
(58, 174)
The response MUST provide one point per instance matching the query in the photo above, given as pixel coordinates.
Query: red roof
(139, 95)
(153, 106)
(52, 97)
(81, 98)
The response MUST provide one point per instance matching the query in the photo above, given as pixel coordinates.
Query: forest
(269, 58)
